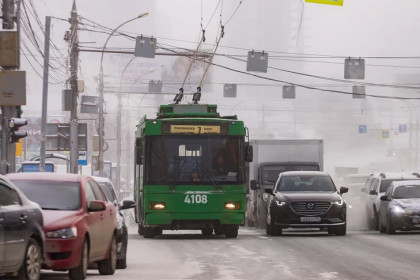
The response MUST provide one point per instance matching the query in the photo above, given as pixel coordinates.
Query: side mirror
(269, 191)
(344, 190)
(384, 198)
(373, 192)
(364, 190)
(96, 206)
(249, 153)
(253, 185)
(127, 204)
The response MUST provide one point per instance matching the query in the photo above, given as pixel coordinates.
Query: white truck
(271, 157)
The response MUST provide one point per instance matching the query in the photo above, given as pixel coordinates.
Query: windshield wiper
(211, 177)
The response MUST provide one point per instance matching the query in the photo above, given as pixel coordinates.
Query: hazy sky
(361, 28)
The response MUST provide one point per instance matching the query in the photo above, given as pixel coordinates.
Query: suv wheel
(341, 230)
(80, 272)
(108, 266)
(31, 266)
(273, 230)
(375, 219)
(122, 262)
(148, 232)
(207, 231)
(390, 227)
(382, 229)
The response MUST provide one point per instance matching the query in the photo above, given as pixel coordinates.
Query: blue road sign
(402, 128)
(82, 158)
(362, 129)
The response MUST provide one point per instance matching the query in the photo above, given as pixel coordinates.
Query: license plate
(310, 219)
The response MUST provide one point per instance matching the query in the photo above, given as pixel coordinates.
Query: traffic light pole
(8, 150)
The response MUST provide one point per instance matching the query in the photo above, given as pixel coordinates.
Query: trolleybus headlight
(232, 205)
(157, 205)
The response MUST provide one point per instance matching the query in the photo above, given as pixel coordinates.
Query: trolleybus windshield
(194, 159)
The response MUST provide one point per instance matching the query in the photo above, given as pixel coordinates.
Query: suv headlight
(280, 203)
(340, 202)
(64, 233)
(397, 209)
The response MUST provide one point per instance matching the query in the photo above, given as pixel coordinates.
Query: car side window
(8, 196)
(89, 193)
(98, 192)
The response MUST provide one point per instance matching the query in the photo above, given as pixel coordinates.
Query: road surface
(254, 255)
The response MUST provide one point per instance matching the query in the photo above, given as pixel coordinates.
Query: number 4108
(195, 199)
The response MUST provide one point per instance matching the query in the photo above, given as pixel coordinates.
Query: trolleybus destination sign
(195, 129)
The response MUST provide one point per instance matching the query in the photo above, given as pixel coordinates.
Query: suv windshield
(52, 195)
(194, 159)
(306, 183)
(407, 192)
(270, 173)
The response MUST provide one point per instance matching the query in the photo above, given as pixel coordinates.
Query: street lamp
(101, 96)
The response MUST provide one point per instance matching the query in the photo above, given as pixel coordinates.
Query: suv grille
(310, 208)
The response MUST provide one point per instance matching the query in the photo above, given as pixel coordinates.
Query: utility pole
(45, 92)
(74, 60)
(8, 150)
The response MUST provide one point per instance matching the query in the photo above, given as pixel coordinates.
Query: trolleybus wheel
(207, 231)
(231, 232)
(148, 232)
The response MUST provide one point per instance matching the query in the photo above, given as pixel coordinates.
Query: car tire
(122, 262)
(382, 229)
(148, 232)
(273, 231)
(375, 219)
(31, 266)
(207, 231)
(231, 232)
(341, 230)
(109, 265)
(390, 229)
(218, 231)
(80, 272)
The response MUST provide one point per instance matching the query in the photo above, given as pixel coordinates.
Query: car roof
(101, 179)
(48, 176)
(406, 182)
(396, 175)
(309, 173)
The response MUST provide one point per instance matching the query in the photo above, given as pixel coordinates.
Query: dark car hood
(57, 219)
(293, 196)
(411, 204)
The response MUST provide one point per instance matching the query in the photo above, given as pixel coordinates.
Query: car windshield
(270, 174)
(409, 191)
(107, 189)
(306, 183)
(386, 182)
(52, 195)
(194, 160)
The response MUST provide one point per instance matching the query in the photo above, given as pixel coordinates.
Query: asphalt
(254, 255)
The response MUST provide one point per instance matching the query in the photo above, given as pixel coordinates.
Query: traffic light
(14, 133)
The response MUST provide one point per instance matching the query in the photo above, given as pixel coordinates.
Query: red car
(79, 221)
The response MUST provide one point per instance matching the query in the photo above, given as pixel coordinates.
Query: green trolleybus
(190, 171)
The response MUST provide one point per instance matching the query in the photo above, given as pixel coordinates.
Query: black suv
(21, 233)
(306, 199)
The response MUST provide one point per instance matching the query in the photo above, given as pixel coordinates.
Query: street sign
(362, 129)
(83, 158)
(354, 68)
(67, 99)
(155, 86)
(402, 128)
(257, 61)
(385, 134)
(145, 47)
(229, 90)
(89, 104)
(12, 88)
(328, 2)
(58, 137)
(289, 92)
